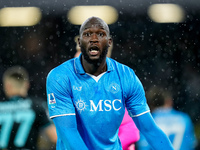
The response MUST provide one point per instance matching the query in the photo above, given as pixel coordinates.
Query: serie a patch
(52, 100)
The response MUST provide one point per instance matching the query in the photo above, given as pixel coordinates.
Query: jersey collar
(16, 98)
(79, 68)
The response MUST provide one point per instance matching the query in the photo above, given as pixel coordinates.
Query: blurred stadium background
(159, 39)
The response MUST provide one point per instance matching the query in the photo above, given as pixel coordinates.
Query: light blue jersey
(98, 102)
(176, 125)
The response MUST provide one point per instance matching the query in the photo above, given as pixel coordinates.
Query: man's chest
(91, 95)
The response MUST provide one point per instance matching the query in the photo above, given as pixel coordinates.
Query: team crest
(114, 88)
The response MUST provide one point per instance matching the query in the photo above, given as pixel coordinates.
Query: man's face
(94, 41)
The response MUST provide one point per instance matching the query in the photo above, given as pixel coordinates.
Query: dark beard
(95, 62)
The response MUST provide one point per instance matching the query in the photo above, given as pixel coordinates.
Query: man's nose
(94, 38)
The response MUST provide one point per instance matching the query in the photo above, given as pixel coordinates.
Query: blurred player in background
(128, 132)
(176, 124)
(22, 118)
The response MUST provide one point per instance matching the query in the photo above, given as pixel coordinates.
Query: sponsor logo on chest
(98, 105)
(101, 105)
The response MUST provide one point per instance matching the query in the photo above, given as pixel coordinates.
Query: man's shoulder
(118, 64)
(181, 114)
(177, 114)
(35, 99)
(62, 68)
(122, 68)
(15, 104)
(65, 65)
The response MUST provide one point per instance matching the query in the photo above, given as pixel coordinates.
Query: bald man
(87, 96)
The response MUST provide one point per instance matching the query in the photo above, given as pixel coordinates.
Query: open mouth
(94, 50)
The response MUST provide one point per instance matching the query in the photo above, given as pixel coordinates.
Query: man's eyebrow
(103, 28)
(87, 28)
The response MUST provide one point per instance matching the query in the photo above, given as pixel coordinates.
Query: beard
(95, 62)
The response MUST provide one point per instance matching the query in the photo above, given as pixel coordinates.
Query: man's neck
(94, 69)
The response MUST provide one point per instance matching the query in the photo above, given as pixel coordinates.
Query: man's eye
(101, 34)
(87, 34)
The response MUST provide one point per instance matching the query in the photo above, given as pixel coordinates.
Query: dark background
(161, 54)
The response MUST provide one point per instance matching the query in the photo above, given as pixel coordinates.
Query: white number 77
(7, 120)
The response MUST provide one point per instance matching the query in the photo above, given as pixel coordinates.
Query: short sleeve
(135, 96)
(58, 94)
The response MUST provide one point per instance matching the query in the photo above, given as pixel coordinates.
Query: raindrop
(51, 37)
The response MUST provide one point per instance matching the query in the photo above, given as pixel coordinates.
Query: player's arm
(66, 128)
(153, 134)
(51, 133)
(62, 110)
(136, 104)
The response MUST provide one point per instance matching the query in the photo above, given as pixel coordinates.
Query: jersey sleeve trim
(140, 114)
(62, 115)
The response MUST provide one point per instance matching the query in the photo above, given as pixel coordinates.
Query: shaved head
(94, 21)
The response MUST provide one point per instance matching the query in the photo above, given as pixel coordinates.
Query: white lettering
(113, 103)
(92, 105)
(107, 105)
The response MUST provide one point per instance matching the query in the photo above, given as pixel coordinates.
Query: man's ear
(78, 41)
(27, 85)
(8, 88)
(7, 85)
(110, 42)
